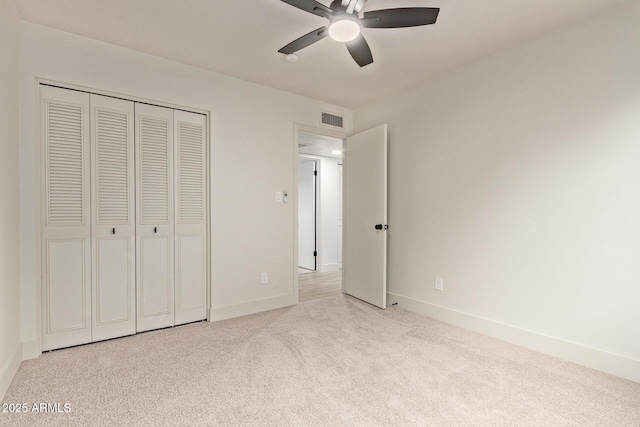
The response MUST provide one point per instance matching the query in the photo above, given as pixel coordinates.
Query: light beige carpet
(333, 361)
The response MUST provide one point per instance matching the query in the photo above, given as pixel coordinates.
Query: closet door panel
(190, 278)
(113, 286)
(157, 299)
(66, 224)
(113, 218)
(154, 217)
(191, 217)
(66, 285)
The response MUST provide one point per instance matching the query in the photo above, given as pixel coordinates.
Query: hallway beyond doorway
(314, 285)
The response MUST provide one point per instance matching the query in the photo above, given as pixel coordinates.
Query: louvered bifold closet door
(113, 218)
(154, 217)
(66, 222)
(191, 217)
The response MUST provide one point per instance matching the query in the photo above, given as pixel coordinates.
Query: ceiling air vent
(332, 120)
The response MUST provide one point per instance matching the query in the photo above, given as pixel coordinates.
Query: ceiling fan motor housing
(336, 6)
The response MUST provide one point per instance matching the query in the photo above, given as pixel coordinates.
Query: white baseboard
(31, 349)
(9, 369)
(250, 307)
(601, 360)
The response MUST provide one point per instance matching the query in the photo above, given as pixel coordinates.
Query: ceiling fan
(345, 24)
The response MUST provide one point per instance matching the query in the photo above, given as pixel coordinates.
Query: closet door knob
(155, 230)
(113, 231)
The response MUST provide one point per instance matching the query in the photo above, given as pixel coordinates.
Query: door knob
(378, 226)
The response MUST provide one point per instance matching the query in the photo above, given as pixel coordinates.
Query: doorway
(319, 215)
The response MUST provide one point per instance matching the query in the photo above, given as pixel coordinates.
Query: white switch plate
(264, 278)
(438, 284)
(279, 196)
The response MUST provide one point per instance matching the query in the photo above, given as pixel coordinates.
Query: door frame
(297, 128)
(317, 209)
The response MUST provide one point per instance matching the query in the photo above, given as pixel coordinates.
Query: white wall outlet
(438, 284)
(264, 278)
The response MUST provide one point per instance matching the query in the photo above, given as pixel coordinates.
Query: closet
(124, 208)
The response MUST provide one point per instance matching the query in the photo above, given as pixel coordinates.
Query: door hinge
(315, 173)
(315, 253)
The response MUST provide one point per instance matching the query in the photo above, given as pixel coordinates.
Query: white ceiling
(241, 38)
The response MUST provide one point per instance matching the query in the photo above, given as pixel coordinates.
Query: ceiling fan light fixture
(344, 28)
(345, 24)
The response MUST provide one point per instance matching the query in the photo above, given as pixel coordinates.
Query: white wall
(10, 346)
(517, 180)
(252, 157)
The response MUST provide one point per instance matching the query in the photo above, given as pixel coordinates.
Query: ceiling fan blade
(401, 17)
(306, 40)
(360, 51)
(311, 6)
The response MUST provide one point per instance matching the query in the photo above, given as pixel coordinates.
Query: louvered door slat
(155, 172)
(65, 150)
(112, 166)
(191, 172)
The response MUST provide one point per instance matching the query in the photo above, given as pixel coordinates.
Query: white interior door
(66, 222)
(113, 218)
(306, 214)
(191, 217)
(365, 216)
(154, 217)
